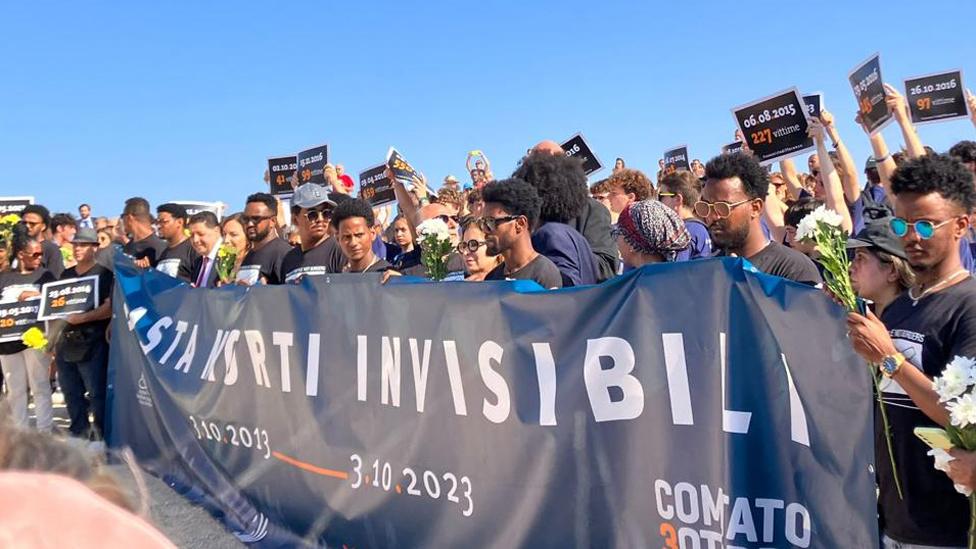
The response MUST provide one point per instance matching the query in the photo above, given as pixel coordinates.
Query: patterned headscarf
(650, 227)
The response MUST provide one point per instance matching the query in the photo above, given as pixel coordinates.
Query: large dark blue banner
(692, 405)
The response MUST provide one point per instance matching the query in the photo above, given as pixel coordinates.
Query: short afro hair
(354, 207)
(266, 199)
(38, 210)
(515, 196)
(964, 151)
(755, 180)
(559, 181)
(632, 181)
(936, 173)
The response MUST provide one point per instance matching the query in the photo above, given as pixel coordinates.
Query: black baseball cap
(877, 234)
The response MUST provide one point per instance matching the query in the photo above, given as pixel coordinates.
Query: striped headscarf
(650, 227)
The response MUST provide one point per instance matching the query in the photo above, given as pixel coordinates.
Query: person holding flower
(917, 334)
(24, 366)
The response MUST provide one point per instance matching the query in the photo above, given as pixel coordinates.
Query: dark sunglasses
(721, 209)
(469, 246)
(315, 215)
(490, 224)
(924, 228)
(445, 218)
(254, 219)
(36, 255)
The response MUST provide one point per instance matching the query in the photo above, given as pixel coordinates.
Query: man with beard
(263, 263)
(36, 219)
(511, 209)
(319, 253)
(144, 247)
(732, 206)
(917, 335)
(179, 259)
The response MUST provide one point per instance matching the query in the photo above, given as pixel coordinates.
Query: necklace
(348, 267)
(937, 286)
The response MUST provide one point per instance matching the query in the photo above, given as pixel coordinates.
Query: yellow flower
(34, 338)
(10, 219)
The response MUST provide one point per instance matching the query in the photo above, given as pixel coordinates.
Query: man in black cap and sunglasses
(319, 253)
(731, 206)
(918, 334)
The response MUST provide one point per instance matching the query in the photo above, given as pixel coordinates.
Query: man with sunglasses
(145, 248)
(263, 264)
(918, 334)
(319, 253)
(36, 218)
(732, 206)
(511, 209)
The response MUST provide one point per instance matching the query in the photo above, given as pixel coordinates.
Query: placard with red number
(676, 158)
(311, 165)
(280, 171)
(67, 297)
(16, 317)
(375, 187)
(936, 97)
(869, 91)
(774, 127)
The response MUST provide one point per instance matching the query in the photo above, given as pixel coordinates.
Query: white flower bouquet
(435, 246)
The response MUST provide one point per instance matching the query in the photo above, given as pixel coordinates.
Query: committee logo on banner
(774, 127)
(936, 97)
(16, 317)
(577, 147)
(67, 297)
(281, 169)
(311, 165)
(375, 187)
(14, 204)
(869, 91)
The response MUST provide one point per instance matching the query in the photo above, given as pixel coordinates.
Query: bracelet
(883, 158)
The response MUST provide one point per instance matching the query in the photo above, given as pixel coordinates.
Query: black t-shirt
(379, 266)
(776, 259)
(265, 262)
(541, 269)
(941, 326)
(151, 247)
(105, 281)
(52, 260)
(12, 284)
(179, 261)
(322, 259)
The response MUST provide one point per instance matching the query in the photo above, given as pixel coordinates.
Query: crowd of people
(912, 250)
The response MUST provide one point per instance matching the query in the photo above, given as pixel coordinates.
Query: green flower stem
(875, 376)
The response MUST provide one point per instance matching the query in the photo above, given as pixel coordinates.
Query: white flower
(434, 228)
(942, 459)
(809, 225)
(957, 377)
(962, 411)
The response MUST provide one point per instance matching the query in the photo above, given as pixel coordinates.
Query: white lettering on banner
(314, 158)
(700, 516)
(609, 371)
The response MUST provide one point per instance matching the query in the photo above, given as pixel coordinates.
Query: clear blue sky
(186, 100)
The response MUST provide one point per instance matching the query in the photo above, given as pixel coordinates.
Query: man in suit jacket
(205, 239)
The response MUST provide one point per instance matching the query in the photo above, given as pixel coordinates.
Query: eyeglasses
(490, 224)
(469, 246)
(315, 215)
(924, 228)
(36, 255)
(32, 224)
(721, 209)
(666, 194)
(447, 218)
(254, 219)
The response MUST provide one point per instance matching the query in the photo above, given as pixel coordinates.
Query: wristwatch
(891, 364)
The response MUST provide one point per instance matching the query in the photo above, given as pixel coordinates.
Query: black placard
(14, 204)
(869, 92)
(375, 187)
(676, 158)
(66, 297)
(311, 164)
(280, 171)
(577, 147)
(16, 317)
(936, 97)
(194, 207)
(732, 147)
(402, 170)
(813, 104)
(774, 127)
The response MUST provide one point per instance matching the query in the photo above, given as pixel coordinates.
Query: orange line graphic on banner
(311, 468)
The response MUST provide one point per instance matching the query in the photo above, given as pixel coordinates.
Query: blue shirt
(571, 253)
(701, 241)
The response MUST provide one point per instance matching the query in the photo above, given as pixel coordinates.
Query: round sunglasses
(924, 228)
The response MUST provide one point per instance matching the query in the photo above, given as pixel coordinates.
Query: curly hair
(449, 196)
(964, 151)
(632, 181)
(354, 207)
(936, 173)
(515, 196)
(755, 180)
(600, 187)
(560, 183)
